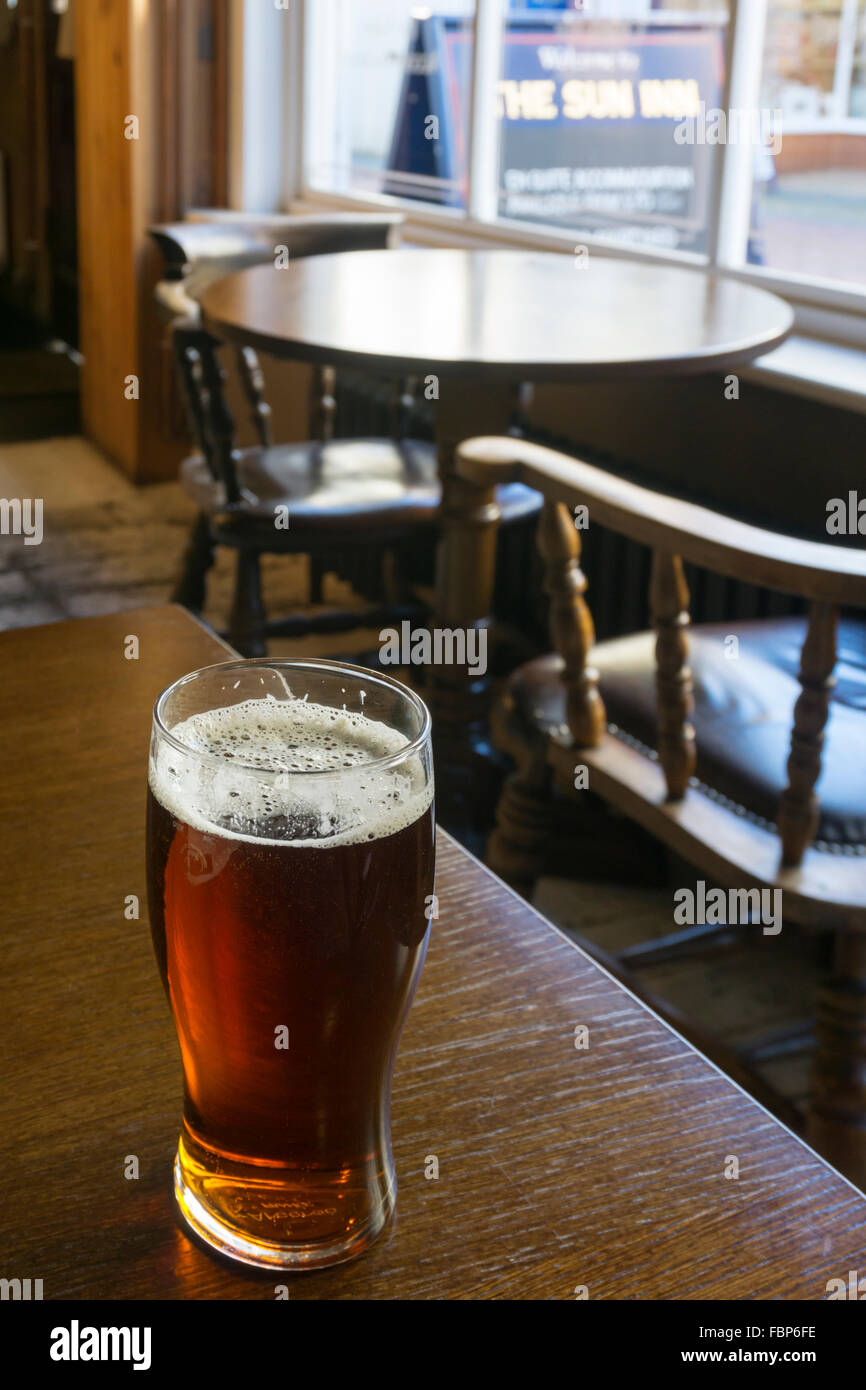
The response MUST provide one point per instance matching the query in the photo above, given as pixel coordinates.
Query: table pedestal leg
(468, 770)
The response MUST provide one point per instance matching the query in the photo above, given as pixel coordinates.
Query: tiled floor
(109, 545)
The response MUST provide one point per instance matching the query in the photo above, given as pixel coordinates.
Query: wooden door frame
(165, 64)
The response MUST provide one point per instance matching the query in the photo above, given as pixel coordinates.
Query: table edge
(552, 926)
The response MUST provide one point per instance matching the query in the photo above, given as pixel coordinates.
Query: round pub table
(474, 326)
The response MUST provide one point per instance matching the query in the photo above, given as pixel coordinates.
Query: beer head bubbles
(289, 770)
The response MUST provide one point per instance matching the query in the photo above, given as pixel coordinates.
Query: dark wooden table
(496, 316)
(473, 326)
(558, 1167)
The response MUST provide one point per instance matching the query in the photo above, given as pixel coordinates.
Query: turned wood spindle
(669, 606)
(323, 404)
(522, 396)
(798, 808)
(402, 405)
(469, 517)
(571, 624)
(468, 523)
(220, 422)
(194, 394)
(252, 380)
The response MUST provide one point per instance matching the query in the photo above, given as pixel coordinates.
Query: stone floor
(107, 544)
(110, 546)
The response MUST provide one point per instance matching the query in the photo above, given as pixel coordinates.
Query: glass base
(190, 1189)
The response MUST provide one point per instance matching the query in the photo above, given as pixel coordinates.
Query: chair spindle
(192, 377)
(522, 396)
(669, 606)
(571, 624)
(220, 424)
(252, 380)
(323, 404)
(798, 809)
(402, 405)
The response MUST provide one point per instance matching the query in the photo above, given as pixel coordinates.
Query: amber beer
(290, 860)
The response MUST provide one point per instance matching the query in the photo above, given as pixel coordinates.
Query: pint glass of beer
(290, 876)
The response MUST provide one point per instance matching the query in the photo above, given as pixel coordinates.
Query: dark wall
(770, 457)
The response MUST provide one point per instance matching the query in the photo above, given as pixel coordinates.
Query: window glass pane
(809, 205)
(600, 109)
(390, 98)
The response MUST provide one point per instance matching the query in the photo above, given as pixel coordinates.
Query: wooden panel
(559, 1167)
(106, 227)
(165, 64)
(769, 457)
(24, 167)
(17, 142)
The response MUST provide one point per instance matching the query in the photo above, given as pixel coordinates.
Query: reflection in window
(602, 112)
(391, 98)
(809, 212)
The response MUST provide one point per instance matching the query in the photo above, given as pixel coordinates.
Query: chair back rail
(214, 242)
(211, 242)
(315, 234)
(825, 575)
(711, 540)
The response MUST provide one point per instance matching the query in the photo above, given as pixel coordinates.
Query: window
(809, 209)
(588, 112)
(393, 88)
(723, 132)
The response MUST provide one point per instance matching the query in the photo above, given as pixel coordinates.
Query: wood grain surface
(558, 1167)
(497, 315)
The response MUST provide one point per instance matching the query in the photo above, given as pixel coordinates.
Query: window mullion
(321, 96)
(731, 216)
(845, 53)
(483, 196)
(294, 57)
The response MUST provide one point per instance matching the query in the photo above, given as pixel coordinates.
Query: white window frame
(823, 308)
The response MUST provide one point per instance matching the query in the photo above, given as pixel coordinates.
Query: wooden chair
(714, 742)
(358, 506)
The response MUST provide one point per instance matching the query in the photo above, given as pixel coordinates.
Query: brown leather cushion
(743, 712)
(347, 483)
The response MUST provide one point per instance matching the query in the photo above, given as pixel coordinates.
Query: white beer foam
(289, 738)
